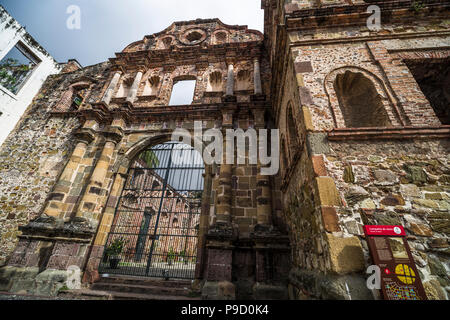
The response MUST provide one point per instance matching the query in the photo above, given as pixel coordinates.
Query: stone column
(230, 81)
(112, 85)
(61, 202)
(96, 250)
(257, 76)
(220, 237)
(95, 190)
(134, 87)
(263, 191)
(224, 187)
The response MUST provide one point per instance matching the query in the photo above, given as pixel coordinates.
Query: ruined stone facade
(364, 139)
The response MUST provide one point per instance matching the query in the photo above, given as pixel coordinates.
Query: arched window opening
(215, 83)
(78, 99)
(182, 92)
(360, 103)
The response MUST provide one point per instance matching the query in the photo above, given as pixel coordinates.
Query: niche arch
(358, 98)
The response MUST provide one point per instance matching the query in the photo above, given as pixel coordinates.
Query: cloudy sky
(107, 26)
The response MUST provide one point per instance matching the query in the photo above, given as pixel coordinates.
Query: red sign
(390, 251)
(375, 230)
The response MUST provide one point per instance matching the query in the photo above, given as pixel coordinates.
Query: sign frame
(389, 250)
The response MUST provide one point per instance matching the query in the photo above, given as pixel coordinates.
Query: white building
(24, 66)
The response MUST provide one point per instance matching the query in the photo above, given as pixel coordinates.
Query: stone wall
(33, 157)
(398, 183)
(389, 155)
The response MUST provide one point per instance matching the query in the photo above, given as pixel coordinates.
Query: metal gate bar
(155, 227)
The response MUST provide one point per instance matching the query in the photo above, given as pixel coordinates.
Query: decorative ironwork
(158, 215)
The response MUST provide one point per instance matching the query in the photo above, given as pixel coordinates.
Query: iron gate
(155, 227)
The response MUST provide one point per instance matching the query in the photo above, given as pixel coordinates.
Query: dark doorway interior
(433, 77)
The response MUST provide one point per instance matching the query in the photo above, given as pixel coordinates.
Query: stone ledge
(342, 134)
(50, 228)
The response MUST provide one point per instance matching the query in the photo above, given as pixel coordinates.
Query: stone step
(88, 294)
(146, 281)
(146, 288)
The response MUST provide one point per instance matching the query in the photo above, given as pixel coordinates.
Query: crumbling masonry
(364, 139)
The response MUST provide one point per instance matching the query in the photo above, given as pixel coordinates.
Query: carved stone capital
(85, 135)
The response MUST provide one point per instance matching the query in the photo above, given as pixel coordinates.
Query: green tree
(11, 72)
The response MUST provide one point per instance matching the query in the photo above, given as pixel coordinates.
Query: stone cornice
(348, 14)
(389, 133)
(188, 55)
(374, 37)
(102, 114)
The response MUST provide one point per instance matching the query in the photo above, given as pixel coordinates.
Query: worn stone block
(330, 219)
(346, 254)
(317, 143)
(328, 194)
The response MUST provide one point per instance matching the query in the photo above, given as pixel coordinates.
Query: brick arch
(65, 103)
(387, 101)
(120, 176)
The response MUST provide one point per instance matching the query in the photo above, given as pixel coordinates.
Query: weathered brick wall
(33, 156)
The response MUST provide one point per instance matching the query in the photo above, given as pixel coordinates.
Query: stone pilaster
(257, 76)
(112, 86)
(96, 250)
(62, 200)
(134, 87)
(220, 237)
(89, 204)
(230, 80)
(224, 189)
(263, 190)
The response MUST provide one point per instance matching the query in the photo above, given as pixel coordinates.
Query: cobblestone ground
(8, 296)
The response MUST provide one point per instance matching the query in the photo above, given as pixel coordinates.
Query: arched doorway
(157, 219)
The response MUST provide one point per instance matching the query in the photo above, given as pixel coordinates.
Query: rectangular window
(182, 93)
(16, 67)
